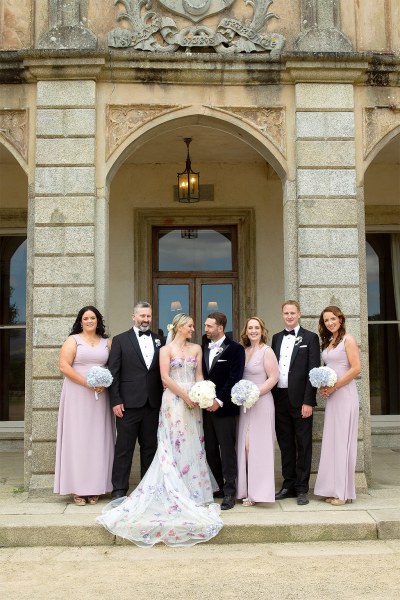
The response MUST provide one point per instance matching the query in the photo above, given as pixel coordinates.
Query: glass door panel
(12, 326)
(172, 299)
(218, 297)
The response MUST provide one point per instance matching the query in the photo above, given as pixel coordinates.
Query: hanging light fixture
(188, 180)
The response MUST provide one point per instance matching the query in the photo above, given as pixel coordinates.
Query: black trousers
(220, 445)
(294, 435)
(137, 424)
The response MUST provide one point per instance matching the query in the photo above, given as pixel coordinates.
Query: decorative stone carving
(67, 21)
(155, 33)
(320, 21)
(270, 122)
(14, 128)
(122, 120)
(378, 122)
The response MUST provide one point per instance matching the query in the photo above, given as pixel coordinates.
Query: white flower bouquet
(203, 393)
(245, 393)
(322, 377)
(99, 377)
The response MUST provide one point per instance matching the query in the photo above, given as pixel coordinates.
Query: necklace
(91, 342)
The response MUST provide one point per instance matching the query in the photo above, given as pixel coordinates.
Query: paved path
(314, 571)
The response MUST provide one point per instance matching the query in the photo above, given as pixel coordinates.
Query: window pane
(12, 280)
(172, 299)
(12, 374)
(373, 285)
(218, 297)
(384, 368)
(194, 250)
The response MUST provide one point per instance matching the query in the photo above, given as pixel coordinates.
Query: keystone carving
(14, 128)
(270, 122)
(378, 122)
(150, 31)
(122, 120)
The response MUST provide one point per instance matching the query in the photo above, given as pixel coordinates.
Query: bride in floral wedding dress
(173, 503)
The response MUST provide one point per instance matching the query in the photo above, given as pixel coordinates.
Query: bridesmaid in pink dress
(86, 428)
(336, 473)
(256, 433)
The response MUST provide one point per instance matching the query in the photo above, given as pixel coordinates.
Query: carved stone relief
(146, 29)
(270, 122)
(68, 26)
(14, 128)
(378, 122)
(320, 21)
(122, 120)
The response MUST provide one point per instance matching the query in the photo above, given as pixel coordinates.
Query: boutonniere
(219, 350)
(298, 340)
(157, 343)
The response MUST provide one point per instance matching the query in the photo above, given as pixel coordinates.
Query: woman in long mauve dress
(86, 428)
(336, 472)
(256, 433)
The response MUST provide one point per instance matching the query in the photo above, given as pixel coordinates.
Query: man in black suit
(297, 351)
(135, 393)
(223, 363)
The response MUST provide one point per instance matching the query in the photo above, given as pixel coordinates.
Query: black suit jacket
(133, 383)
(305, 356)
(226, 370)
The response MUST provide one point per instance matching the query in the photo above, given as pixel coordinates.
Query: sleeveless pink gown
(257, 482)
(336, 471)
(86, 430)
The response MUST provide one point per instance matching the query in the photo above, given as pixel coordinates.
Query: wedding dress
(173, 503)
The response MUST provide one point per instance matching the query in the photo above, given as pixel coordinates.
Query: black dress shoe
(118, 494)
(228, 502)
(302, 499)
(285, 493)
(218, 494)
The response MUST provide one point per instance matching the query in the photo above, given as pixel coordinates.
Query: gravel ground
(321, 570)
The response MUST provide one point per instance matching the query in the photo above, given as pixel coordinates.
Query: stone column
(328, 237)
(320, 24)
(63, 259)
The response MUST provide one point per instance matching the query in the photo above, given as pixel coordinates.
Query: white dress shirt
(146, 347)
(285, 357)
(213, 353)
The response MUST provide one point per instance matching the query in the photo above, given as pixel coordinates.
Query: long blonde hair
(179, 320)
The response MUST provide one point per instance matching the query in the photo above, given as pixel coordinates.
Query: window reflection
(13, 280)
(208, 250)
(373, 283)
(172, 299)
(384, 369)
(217, 297)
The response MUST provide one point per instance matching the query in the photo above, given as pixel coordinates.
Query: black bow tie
(292, 332)
(144, 332)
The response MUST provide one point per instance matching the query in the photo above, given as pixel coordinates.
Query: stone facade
(88, 94)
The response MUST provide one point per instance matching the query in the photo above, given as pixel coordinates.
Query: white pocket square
(221, 360)
(305, 346)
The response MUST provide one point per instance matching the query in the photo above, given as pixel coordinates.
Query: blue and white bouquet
(203, 393)
(322, 377)
(99, 377)
(245, 393)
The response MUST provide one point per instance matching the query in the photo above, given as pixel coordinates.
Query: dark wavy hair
(244, 338)
(77, 326)
(326, 335)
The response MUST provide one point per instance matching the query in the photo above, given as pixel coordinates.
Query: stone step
(59, 524)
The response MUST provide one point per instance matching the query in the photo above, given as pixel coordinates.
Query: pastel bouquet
(99, 377)
(245, 393)
(203, 393)
(322, 377)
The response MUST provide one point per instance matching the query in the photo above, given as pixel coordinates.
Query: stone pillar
(328, 236)
(67, 26)
(320, 24)
(63, 259)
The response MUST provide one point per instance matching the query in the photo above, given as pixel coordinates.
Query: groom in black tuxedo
(223, 363)
(297, 351)
(135, 393)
